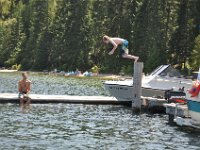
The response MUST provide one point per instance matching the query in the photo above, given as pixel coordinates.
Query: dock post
(137, 90)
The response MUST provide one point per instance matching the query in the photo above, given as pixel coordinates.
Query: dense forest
(67, 34)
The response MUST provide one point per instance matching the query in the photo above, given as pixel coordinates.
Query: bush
(95, 69)
(105, 69)
(126, 70)
(16, 67)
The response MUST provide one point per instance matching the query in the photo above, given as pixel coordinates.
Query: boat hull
(194, 109)
(162, 79)
(125, 93)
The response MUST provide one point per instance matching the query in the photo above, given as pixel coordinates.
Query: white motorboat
(193, 100)
(160, 80)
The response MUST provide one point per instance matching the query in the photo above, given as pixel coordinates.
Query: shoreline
(7, 70)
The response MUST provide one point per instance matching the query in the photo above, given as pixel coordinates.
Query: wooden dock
(147, 103)
(36, 98)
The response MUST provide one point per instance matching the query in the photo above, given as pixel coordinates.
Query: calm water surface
(68, 126)
(45, 84)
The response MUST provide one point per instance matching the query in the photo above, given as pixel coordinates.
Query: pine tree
(11, 35)
(44, 37)
(59, 29)
(149, 35)
(16, 39)
(196, 53)
(35, 19)
(99, 28)
(180, 43)
(72, 29)
(67, 34)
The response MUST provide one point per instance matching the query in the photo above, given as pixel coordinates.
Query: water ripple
(45, 84)
(70, 126)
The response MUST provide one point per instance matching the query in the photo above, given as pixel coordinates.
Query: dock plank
(36, 98)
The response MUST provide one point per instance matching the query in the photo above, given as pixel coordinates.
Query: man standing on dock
(24, 88)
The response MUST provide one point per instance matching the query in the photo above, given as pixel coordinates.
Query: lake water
(45, 84)
(75, 126)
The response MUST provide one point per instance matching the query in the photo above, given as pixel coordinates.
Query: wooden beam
(137, 90)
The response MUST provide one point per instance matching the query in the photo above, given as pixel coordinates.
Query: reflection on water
(67, 126)
(45, 84)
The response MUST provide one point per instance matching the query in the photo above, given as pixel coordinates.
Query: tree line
(67, 34)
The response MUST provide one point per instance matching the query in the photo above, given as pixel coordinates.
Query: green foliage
(16, 67)
(128, 70)
(95, 69)
(5, 6)
(196, 53)
(67, 34)
(179, 40)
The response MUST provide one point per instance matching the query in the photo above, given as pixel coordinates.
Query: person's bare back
(117, 40)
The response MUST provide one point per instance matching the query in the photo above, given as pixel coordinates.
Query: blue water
(75, 126)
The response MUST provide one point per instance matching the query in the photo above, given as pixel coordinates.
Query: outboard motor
(176, 96)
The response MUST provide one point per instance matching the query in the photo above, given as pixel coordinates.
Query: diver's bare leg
(135, 58)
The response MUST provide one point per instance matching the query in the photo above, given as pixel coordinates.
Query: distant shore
(7, 70)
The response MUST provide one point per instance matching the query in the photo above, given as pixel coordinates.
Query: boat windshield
(155, 70)
(171, 72)
(159, 70)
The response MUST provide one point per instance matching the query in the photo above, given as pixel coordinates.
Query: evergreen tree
(67, 34)
(59, 29)
(149, 34)
(181, 41)
(196, 53)
(71, 44)
(99, 28)
(44, 38)
(5, 6)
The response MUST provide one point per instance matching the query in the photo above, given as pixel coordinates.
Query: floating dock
(147, 102)
(36, 98)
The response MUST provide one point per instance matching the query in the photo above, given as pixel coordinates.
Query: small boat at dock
(193, 100)
(162, 79)
(193, 105)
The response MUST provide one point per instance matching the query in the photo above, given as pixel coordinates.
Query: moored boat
(162, 79)
(193, 100)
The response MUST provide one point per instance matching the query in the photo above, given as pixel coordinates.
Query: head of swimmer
(24, 75)
(106, 39)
